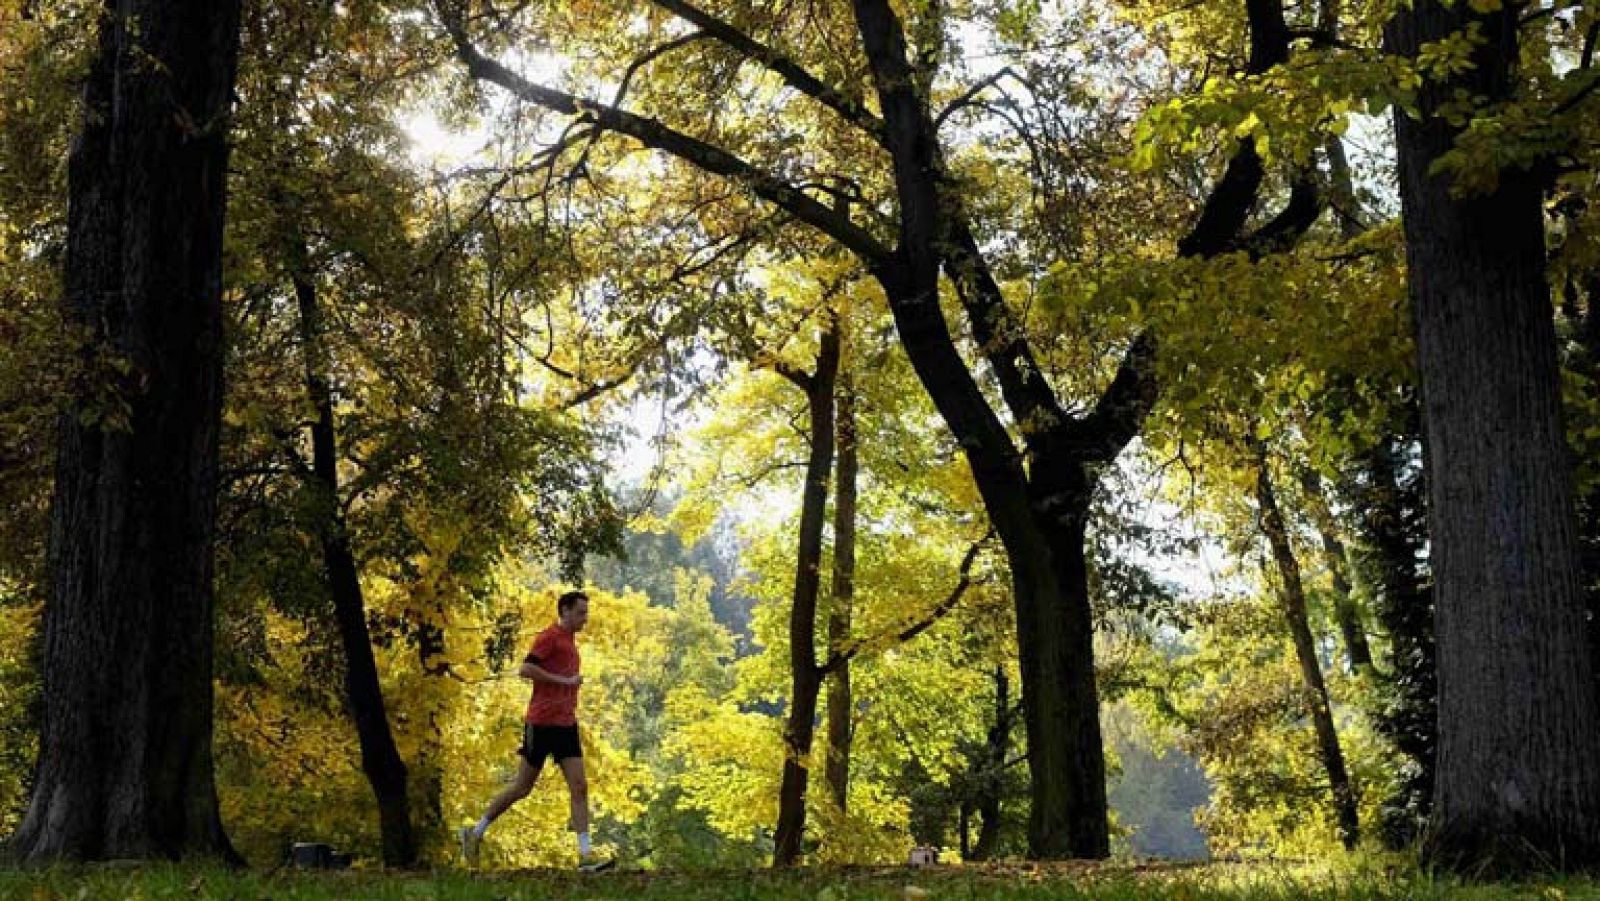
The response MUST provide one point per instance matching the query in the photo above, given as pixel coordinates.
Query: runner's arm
(536, 673)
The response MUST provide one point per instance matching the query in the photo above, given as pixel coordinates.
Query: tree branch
(1121, 410)
(655, 134)
(801, 379)
(1294, 220)
(1231, 200)
(844, 655)
(792, 73)
(1001, 341)
(651, 56)
(1580, 94)
(966, 96)
(1227, 207)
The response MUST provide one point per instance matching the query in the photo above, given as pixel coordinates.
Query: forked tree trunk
(125, 759)
(805, 674)
(1316, 688)
(380, 760)
(1519, 753)
(841, 702)
(1053, 621)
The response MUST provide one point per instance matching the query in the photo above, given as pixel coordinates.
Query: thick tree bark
(380, 760)
(841, 703)
(1588, 363)
(1345, 612)
(805, 674)
(1062, 711)
(125, 765)
(1519, 755)
(1318, 703)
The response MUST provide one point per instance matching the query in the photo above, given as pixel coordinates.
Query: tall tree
(125, 767)
(804, 674)
(1519, 755)
(1040, 511)
(380, 759)
(1293, 601)
(841, 699)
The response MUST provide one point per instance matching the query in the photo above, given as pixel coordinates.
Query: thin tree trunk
(805, 674)
(1346, 208)
(1519, 755)
(428, 761)
(1344, 605)
(1391, 512)
(380, 760)
(841, 704)
(125, 752)
(996, 748)
(1294, 611)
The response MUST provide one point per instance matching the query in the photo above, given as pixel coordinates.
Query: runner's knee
(522, 785)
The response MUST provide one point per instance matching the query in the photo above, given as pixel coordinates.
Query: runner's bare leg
(577, 791)
(521, 785)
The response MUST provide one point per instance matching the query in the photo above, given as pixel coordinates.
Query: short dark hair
(568, 601)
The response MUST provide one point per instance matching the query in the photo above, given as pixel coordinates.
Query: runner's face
(577, 616)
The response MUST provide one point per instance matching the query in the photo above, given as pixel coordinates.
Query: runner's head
(572, 609)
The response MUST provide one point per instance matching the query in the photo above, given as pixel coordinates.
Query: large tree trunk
(1060, 708)
(125, 766)
(1305, 649)
(1060, 697)
(1519, 755)
(805, 674)
(1345, 612)
(841, 703)
(380, 760)
(1579, 298)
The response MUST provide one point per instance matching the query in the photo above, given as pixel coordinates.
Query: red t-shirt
(554, 705)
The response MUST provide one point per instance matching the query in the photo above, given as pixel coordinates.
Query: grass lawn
(999, 881)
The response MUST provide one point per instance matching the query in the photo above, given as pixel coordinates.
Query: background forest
(901, 379)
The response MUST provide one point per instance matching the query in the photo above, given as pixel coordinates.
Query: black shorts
(556, 742)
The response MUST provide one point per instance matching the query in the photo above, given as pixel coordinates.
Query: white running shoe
(596, 865)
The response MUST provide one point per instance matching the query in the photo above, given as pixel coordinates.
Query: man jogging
(550, 729)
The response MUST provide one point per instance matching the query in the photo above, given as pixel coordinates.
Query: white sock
(482, 827)
(583, 844)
